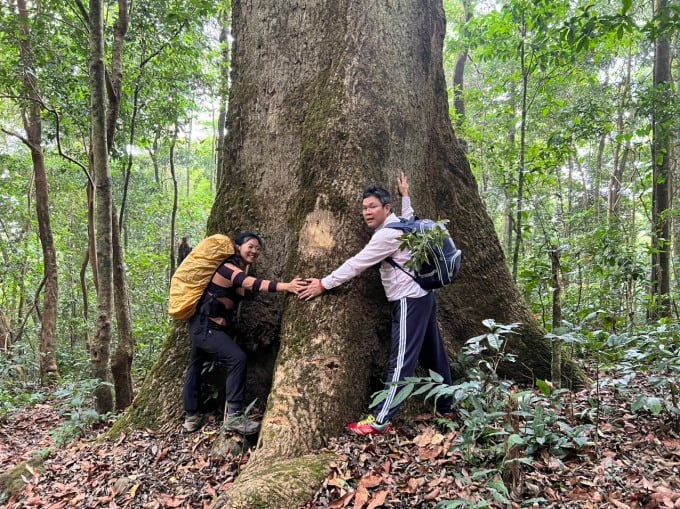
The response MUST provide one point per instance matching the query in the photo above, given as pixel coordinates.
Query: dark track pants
(415, 337)
(210, 344)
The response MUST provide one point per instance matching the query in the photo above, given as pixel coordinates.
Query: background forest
(567, 110)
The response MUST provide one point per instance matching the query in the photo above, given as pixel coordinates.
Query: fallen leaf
(432, 495)
(413, 484)
(77, 499)
(133, 490)
(424, 438)
(430, 453)
(343, 501)
(361, 497)
(437, 439)
(378, 499)
(370, 481)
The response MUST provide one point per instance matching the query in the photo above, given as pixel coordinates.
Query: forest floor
(633, 461)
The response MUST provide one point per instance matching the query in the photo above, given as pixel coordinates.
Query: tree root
(279, 484)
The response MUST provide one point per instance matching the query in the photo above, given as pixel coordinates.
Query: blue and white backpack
(443, 262)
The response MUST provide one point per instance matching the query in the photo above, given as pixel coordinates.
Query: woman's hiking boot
(192, 423)
(239, 423)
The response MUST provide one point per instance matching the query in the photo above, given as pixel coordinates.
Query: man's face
(374, 212)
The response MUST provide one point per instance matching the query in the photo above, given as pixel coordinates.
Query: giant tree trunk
(359, 99)
(325, 99)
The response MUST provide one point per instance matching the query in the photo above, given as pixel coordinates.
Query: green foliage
(586, 71)
(75, 400)
(654, 354)
(422, 243)
(18, 387)
(497, 419)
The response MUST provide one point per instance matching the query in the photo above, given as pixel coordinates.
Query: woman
(211, 332)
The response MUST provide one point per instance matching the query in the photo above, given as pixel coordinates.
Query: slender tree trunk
(31, 114)
(509, 183)
(21, 315)
(661, 154)
(153, 155)
(175, 193)
(620, 153)
(101, 344)
(459, 74)
(121, 363)
(91, 231)
(225, 22)
(556, 315)
(5, 333)
(83, 285)
(522, 149)
(187, 159)
(675, 199)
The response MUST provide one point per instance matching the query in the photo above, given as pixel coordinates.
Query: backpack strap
(397, 266)
(400, 225)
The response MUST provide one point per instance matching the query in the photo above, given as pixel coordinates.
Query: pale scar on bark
(316, 236)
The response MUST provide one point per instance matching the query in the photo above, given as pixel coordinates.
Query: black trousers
(211, 343)
(415, 337)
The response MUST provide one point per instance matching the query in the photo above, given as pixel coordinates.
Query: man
(415, 332)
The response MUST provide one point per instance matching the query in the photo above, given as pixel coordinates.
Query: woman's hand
(295, 285)
(313, 289)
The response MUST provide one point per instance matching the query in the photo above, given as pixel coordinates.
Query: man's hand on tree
(313, 289)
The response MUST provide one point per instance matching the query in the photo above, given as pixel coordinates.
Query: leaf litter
(633, 462)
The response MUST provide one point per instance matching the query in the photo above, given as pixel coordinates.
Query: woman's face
(249, 251)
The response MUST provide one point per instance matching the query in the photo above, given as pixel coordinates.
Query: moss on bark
(278, 484)
(158, 404)
(12, 480)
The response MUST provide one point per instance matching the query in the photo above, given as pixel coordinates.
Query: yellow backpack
(192, 277)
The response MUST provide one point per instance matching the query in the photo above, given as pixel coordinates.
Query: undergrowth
(506, 427)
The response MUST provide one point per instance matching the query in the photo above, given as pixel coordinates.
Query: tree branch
(25, 141)
(58, 131)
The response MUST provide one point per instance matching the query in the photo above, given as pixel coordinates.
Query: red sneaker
(369, 426)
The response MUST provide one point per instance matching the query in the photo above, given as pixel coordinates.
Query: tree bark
(340, 95)
(556, 272)
(364, 99)
(121, 362)
(32, 118)
(101, 344)
(158, 402)
(459, 73)
(175, 192)
(661, 157)
(223, 95)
